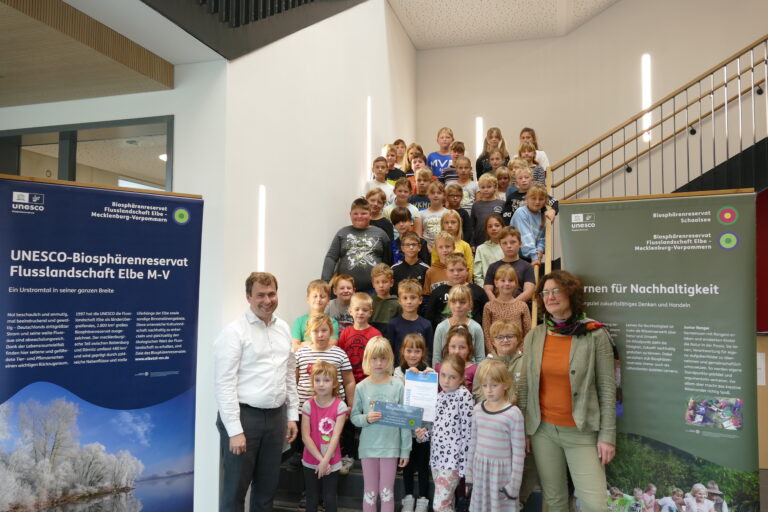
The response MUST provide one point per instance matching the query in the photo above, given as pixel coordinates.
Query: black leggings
(419, 462)
(328, 486)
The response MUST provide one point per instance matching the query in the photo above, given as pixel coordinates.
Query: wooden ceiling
(50, 51)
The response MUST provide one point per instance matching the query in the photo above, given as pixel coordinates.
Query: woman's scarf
(576, 325)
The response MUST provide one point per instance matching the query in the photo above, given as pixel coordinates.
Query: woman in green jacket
(569, 396)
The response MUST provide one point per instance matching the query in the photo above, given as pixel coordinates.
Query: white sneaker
(407, 504)
(346, 464)
(422, 505)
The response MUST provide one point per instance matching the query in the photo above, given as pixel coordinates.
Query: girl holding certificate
(382, 448)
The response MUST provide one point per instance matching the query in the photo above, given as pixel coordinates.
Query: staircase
(710, 134)
(707, 135)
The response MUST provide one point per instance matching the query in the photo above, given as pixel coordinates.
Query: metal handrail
(675, 115)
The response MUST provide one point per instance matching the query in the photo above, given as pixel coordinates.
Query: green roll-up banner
(674, 278)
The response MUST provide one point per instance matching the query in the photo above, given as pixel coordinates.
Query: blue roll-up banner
(99, 309)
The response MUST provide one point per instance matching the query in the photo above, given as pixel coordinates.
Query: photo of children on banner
(722, 413)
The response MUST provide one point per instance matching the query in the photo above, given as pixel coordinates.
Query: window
(133, 152)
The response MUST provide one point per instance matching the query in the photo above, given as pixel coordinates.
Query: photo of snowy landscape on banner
(65, 454)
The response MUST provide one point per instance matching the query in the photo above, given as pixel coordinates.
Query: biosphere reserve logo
(727, 215)
(181, 216)
(728, 240)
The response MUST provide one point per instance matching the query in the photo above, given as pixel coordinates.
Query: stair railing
(678, 138)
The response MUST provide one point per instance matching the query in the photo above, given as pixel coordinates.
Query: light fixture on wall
(479, 137)
(645, 77)
(262, 224)
(368, 134)
(163, 157)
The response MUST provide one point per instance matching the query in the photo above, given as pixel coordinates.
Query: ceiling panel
(49, 51)
(445, 23)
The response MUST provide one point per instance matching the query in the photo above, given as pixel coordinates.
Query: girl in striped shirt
(497, 445)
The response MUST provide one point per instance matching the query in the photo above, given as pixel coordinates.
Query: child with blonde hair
(445, 244)
(343, 286)
(382, 448)
(469, 187)
(379, 171)
(460, 304)
(409, 322)
(419, 183)
(441, 159)
(452, 223)
(489, 251)
(530, 221)
(320, 349)
(402, 193)
(497, 445)
(527, 151)
(486, 203)
(318, 296)
(504, 181)
(389, 151)
(456, 272)
(427, 222)
(322, 422)
(353, 341)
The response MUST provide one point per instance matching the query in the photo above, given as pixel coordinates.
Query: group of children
(435, 272)
(481, 443)
(420, 190)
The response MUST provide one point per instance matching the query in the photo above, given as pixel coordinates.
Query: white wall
(296, 123)
(198, 104)
(574, 88)
(291, 116)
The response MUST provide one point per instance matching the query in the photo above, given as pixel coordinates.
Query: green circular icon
(411, 423)
(181, 216)
(728, 240)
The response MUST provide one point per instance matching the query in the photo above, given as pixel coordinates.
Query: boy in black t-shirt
(457, 272)
(510, 244)
(403, 222)
(411, 266)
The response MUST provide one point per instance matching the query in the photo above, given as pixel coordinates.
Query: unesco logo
(27, 202)
(583, 221)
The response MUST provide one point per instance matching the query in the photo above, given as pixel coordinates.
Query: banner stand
(673, 277)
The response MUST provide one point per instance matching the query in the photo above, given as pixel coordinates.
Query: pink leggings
(379, 480)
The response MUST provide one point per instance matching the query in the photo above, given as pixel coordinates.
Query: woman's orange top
(555, 384)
